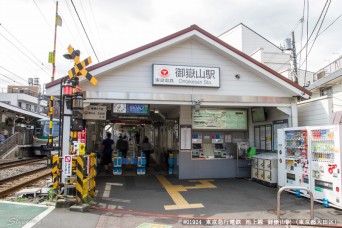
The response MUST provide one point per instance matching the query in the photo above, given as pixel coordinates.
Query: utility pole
(294, 56)
(52, 57)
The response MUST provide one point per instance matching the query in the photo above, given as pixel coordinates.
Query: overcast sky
(117, 26)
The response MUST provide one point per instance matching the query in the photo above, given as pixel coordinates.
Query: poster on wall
(218, 119)
(262, 137)
(278, 124)
(185, 137)
(257, 137)
(268, 137)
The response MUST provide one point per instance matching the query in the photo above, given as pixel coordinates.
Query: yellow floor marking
(203, 184)
(174, 192)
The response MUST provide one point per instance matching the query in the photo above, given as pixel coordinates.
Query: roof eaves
(179, 33)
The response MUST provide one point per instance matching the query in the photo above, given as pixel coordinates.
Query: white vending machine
(281, 157)
(325, 149)
(294, 157)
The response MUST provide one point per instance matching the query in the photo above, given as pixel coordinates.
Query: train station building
(193, 95)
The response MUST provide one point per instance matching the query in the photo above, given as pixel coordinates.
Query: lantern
(77, 101)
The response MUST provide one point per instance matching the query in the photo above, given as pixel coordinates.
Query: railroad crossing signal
(80, 67)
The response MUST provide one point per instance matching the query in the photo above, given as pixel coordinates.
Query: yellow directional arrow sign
(80, 67)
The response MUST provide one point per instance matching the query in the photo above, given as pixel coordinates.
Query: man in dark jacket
(122, 146)
(107, 150)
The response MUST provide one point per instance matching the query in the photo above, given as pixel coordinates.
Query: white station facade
(195, 96)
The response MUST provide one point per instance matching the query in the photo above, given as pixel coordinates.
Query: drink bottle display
(326, 164)
(296, 158)
(310, 157)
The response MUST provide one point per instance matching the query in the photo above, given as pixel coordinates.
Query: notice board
(185, 137)
(263, 137)
(216, 119)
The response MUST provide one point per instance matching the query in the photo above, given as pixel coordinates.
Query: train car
(41, 135)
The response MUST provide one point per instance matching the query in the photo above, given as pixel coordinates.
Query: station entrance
(156, 125)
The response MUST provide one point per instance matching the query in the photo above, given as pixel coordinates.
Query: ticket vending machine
(197, 149)
(219, 151)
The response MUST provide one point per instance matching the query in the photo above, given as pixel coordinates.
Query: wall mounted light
(237, 76)
(197, 106)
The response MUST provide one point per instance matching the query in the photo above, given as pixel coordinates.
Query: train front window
(43, 129)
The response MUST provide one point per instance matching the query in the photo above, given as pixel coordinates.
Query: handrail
(10, 143)
(297, 188)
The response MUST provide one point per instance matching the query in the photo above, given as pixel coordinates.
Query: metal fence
(19, 138)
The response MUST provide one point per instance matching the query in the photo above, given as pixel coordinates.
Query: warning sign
(67, 165)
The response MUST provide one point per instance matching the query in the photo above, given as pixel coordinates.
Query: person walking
(122, 146)
(107, 151)
(146, 147)
(137, 138)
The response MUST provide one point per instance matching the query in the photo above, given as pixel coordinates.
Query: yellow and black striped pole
(79, 179)
(92, 175)
(55, 171)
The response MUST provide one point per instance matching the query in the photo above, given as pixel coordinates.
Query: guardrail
(297, 188)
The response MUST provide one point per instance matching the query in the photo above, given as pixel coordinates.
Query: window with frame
(327, 91)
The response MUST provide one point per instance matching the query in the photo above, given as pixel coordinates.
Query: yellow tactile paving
(203, 184)
(188, 206)
(174, 192)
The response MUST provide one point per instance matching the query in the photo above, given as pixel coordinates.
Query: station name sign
(195, 76)
(139, 109)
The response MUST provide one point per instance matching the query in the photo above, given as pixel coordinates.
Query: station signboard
(194, 76)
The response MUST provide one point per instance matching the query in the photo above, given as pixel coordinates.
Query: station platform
(161, 200)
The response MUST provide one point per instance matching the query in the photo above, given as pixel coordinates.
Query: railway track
(15, 183)
(16, 163)
(21, 173)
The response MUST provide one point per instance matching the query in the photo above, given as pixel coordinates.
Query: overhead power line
(23, 53)
(13, 73)
(23, 46)
(324, 11)
(302, 48)
(84, 30)
(47, 22)
(319, 29)
(11, 79)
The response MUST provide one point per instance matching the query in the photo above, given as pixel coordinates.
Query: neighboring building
(325, 105)
(24, 97)
(20, 106)
(277, 58)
